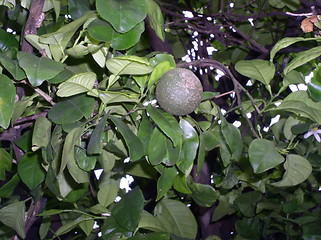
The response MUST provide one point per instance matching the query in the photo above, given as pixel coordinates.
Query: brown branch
(237, 86)
(40, 92)
(34, 21)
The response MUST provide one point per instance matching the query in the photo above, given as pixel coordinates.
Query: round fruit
(179, 91)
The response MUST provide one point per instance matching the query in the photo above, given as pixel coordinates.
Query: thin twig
(40, 92)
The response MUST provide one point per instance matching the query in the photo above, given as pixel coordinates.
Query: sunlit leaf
(79, 83)
(129, 65)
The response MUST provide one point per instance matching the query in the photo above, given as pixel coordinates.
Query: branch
(237, 86)
(40, 92)
(34, 21)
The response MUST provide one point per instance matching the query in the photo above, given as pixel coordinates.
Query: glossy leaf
(157, 147)
(38, 69)
(189, 147)
(285, 42)
(103, 31)
(298, 169)
(167, 123)
(257, 69)
(158, 72)
(5, 163)
(71, 109)
(128, 210)
(122, 15)
(13, 215)
(7, 99)
(80, 83)
(30, 170)
(150, 222)
(233, 138)
(264, 155)
(302, 58)
(135, 146)
(145, 131)
(123, 65)
(302, 105)
(176, 218)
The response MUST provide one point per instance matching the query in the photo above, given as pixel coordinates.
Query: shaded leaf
(41, 133)
(30, 170)
(95, 144)
(12, 66)
(13, 215)
(84, 161)
(71, 109)
(5, 163)
(7, 99)
(203, 194)
(156, 19)
(128, 210)
(298, 169)
(38, 69)
(122, 15)
(176, 218)
(167, 123)
(165, 181)
(135, 146)
(263, 155)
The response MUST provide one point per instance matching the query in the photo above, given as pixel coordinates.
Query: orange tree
(77, 97)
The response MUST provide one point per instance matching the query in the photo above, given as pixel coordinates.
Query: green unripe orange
(179, 91)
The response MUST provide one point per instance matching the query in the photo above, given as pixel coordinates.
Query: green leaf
(264, 155)
(5, 163)
(167, 123)
(135, 146)
(7, 99)
(158, 71)
(285, 42)
(156, 19)
(118, 97)
(302, 58)
(233, 138)
(150, 222)
(80, 83)
(12, 66)
(176, 218)
(8, 188)
(38, 69)
(166, 180)
(77, 8)
(7, 40)
(189, 147)
(126, 64)
(108, 191)
(68, 156)
(59, 40)
(41, 133)
(301, 104)
(204, 195)
(256, 69)
(111, 229)
(122, 15)
(246, 203)
(157, 151)
(103, 31)
(30, 170)
(249, 228)
(71, 109)
(298, 169)
(13, 215)
(84, 161)
(128, 210)
(145, 131)
(95, 144)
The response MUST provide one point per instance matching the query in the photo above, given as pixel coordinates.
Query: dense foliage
(77, 97)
